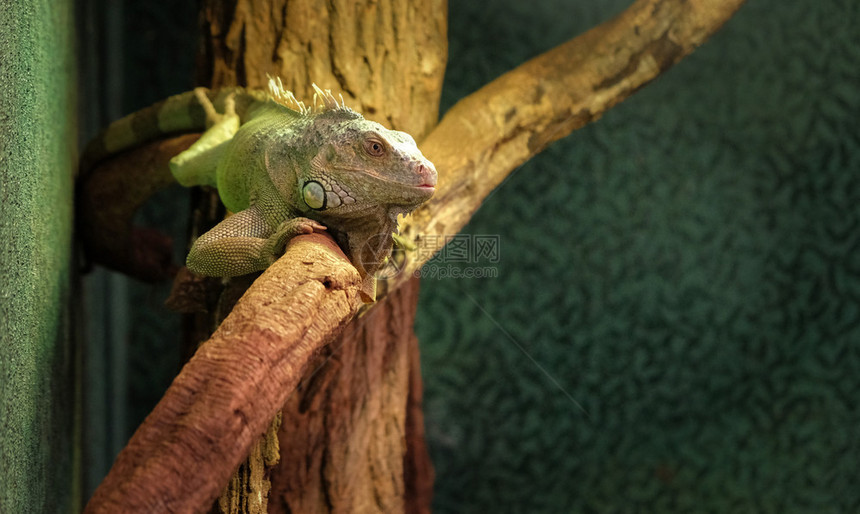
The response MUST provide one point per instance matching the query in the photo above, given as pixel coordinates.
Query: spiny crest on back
(323, 101)
(285, 97)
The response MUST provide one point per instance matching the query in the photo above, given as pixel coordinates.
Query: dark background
(674, 325)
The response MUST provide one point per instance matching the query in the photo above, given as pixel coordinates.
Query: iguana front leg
(244, 243)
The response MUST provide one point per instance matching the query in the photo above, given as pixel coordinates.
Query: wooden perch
(107, 204)
(492, 131)
(223, 399)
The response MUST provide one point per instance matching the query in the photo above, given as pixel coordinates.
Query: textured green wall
(687, 269)
(37, 144)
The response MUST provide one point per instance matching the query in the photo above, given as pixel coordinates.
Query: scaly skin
(285, 169)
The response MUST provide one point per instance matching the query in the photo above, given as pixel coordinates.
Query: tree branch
(107, 198)
(184, 452)
(492, 131)
(182, 455)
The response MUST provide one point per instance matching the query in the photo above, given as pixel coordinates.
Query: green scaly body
(284, 169)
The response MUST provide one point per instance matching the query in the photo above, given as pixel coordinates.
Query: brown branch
(492, 131)
(182, 455)
(109, 196)
(184, 452)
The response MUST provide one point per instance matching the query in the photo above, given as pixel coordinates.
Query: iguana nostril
(427, 172)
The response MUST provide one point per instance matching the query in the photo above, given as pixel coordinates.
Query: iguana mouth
(420, 192)
(427, 184)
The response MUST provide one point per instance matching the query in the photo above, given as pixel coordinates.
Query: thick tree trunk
(351, 439)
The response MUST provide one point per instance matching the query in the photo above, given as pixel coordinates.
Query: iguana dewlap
(284, 169)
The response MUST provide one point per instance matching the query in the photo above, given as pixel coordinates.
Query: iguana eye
(314, 195)
(374, 147)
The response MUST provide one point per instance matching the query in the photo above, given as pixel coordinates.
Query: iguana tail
(177, 114)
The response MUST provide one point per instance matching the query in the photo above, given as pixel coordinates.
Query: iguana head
(357, 168)
(362, 168)
(355, 176)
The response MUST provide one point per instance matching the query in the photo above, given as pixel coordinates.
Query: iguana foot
(212, 116)
(287, 230)
(197, 165)
(296, 226)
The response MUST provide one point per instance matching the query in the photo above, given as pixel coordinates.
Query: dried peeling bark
(350, 440)
(248, 489)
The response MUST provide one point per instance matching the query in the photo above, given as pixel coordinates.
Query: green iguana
(283, 169)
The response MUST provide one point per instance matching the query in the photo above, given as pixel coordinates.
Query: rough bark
(360, 50)
(492, 131)
(372, 52)
(344, 437)
(106, 208)
(182, 455)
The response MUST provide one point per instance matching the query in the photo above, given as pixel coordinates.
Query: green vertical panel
(38, 447)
